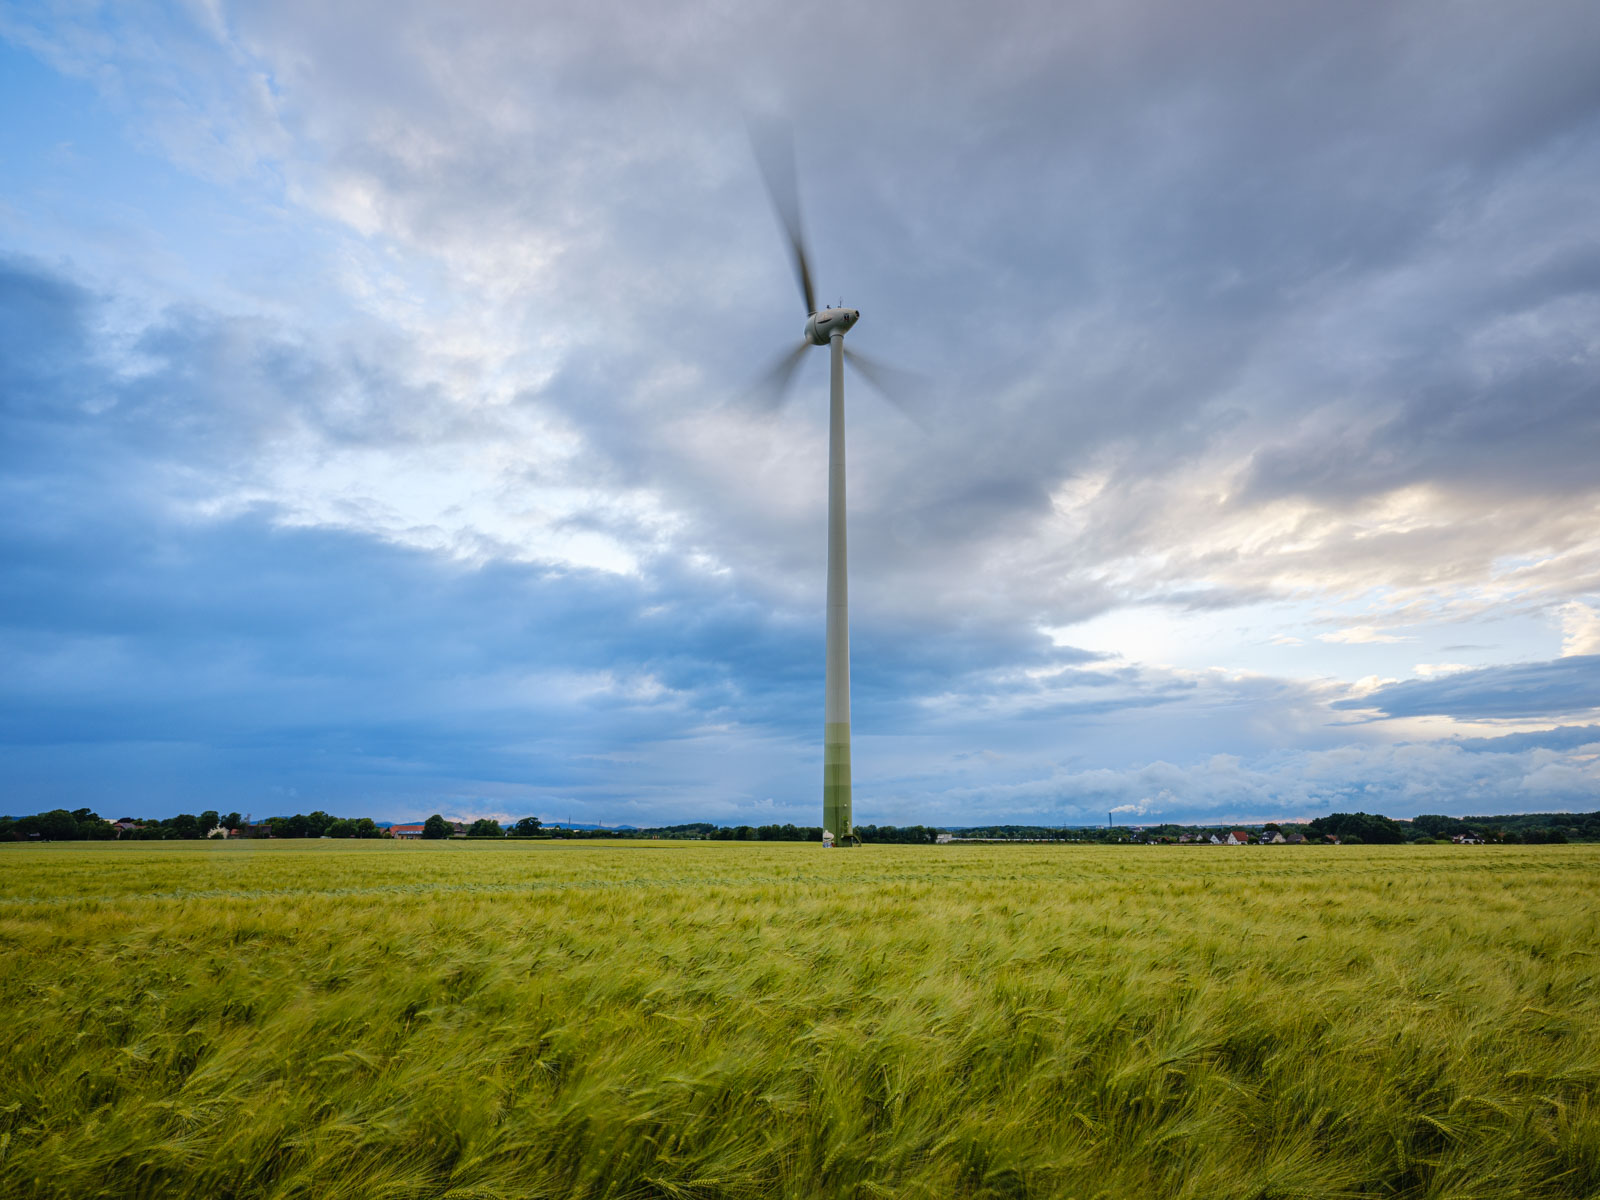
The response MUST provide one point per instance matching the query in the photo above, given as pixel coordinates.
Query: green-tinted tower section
(836, 781)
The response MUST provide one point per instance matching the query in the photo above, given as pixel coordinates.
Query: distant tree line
(58, 825)
(1528, 829)
(318, 824)
(1035, 833)
(691, 831)
(85, 825)
(524, 827)
(1350, 828)
(82, 824)
(706, 831)
(766, 833)
(913, 835)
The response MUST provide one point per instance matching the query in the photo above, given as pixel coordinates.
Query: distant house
(942, 838)
(1237, 838)
(1215, 840)
(1467, 839)
(405, 831)
(1273, 838)
(1184, 839)
(125, 826)
(1333, 839)
(1296, 839)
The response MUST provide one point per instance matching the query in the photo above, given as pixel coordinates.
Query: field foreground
(333, 1019)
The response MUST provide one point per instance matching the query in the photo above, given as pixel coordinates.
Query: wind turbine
(824, 327)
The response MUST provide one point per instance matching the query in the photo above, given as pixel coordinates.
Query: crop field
(338, 1019)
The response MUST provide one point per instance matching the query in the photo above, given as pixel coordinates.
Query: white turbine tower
(824, 327)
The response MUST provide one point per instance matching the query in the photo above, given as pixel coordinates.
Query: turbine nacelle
(821, 326)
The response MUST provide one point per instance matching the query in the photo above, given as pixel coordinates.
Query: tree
(1368, 827)
(341, 829)
(366, 827)
(209, 820)
(184, 825)
(437, 827)
(526, 827)
(1544, 837)
(486, 827)
(90, 826)
(232, 821)
(1439, 826)
(58, 824)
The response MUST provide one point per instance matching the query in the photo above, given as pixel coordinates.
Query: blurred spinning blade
(769, 391)
(903, 389)
(773, 144)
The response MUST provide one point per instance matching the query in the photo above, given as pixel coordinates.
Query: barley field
(487, 1020)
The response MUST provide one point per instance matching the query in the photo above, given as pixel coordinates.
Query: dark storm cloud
(44, 319)
(1338, 250)
(1565, 737)
(1566, 685)
(1158, 241)
(206, 391)
(1209, 258)
(1529, 425)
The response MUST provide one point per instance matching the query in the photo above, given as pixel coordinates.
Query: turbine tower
(837, 806)
(824, 327)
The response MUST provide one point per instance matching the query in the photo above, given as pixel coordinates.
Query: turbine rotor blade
(774, 151)
(900, 388)
(769, 391)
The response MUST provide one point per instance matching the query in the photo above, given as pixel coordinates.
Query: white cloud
(1361, 635)
(1580, 628)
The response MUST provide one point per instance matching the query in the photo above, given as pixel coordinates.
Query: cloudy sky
(377, 431)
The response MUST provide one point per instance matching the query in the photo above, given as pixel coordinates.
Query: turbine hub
(820, 326)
